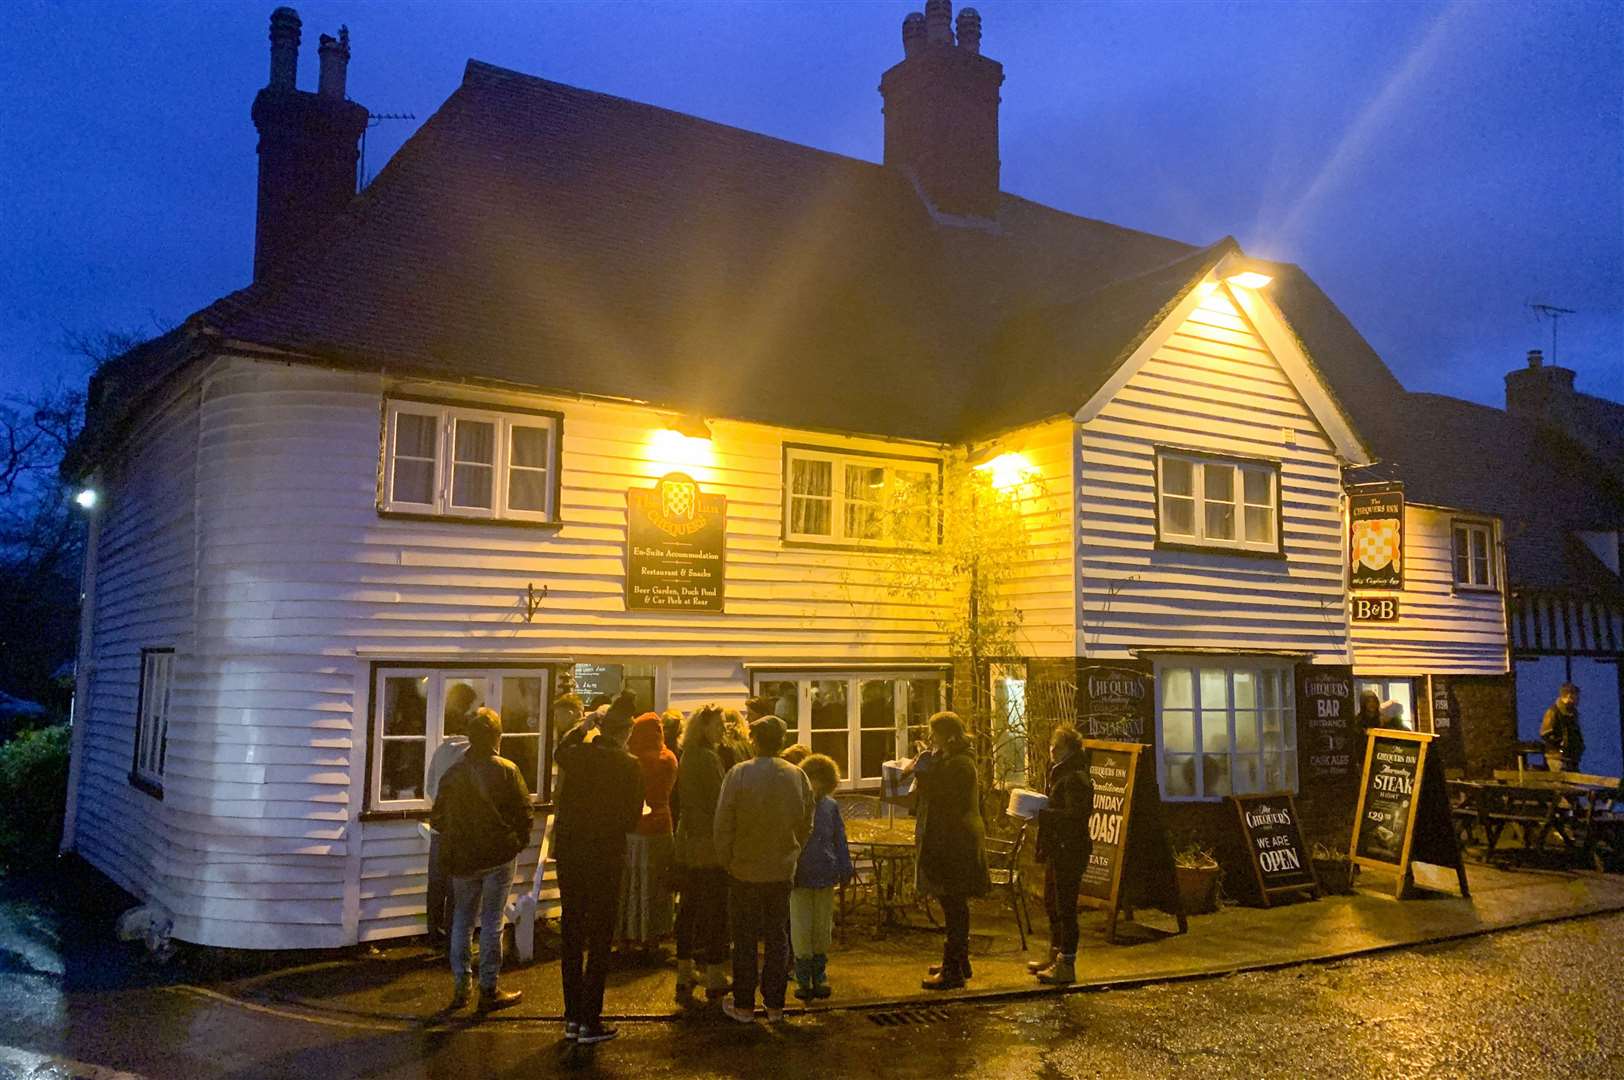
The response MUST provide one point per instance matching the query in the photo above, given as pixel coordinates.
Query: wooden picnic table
(1537, 807)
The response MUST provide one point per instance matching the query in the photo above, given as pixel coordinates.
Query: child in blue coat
(825, 862)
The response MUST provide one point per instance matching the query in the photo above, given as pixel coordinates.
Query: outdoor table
(889, 845)
(1538, 809)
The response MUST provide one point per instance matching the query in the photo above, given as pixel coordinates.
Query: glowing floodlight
(1008, 470)
(86, 498)
(1249, 279)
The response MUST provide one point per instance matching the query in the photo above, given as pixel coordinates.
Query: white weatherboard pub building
(406, 459)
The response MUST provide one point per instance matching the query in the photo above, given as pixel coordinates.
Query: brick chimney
(308, 143)
(1539, 391)
(941, 111)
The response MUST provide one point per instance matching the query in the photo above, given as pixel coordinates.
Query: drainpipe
(83, 670)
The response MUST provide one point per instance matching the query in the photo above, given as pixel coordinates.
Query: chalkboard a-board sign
(1131, 864)
(676, 546)
(1274, 844)
(1403, 811)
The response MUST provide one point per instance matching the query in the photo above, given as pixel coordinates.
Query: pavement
(877, 968)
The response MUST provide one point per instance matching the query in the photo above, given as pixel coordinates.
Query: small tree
(963, 569)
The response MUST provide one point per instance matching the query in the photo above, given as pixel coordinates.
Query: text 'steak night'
(1131, 864)
(1403, 813)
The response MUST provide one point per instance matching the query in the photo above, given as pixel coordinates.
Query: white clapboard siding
(1440, 631)
(145, 572)
(301, 585)
(1212, 386)
(1042, 585)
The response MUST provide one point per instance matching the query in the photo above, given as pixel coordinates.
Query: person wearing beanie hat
(763, 817)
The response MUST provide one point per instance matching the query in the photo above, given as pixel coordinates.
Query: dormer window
(468, 461)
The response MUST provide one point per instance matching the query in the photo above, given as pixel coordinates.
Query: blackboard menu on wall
(1391, 778)
(1274, 842)
(676, 545)
(1446, 721)
(1328, 744)
(1118, 701)
(1111, 771)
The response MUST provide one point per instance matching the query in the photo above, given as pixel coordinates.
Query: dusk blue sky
(1436, 167)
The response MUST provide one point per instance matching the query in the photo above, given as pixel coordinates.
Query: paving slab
(873, 967)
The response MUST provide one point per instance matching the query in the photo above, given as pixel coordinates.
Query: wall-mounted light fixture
(1247, 273)
(87, 498)
(1008, 470)
(694, 427)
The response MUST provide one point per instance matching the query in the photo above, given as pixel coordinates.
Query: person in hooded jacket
(646, 911)
(1063, 847)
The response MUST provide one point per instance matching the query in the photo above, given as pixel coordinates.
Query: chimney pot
(1536, 358)
(913, 34)
(939, 22)
(335, 62)
(969, 30)
(285, 26)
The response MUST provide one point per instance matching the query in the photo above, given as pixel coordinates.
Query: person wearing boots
(482, 813)
(950, 865)
(599, 800)
(702, 932)
(825, 862)
(1063, 848)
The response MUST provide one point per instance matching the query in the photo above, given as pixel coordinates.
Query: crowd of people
(710, 829)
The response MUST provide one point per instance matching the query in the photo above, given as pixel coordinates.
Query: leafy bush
(33, 787)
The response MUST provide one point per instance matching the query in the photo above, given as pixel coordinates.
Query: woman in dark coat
(951, 864)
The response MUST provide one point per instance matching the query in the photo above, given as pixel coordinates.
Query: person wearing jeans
(1063, 847)
(482, 813)
(599, 799)
(763, 816)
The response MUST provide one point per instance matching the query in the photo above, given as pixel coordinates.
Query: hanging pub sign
(1376, 542)
(676, 546)
(1274, 843)
(1118, 700)
(1326, 738)
(1378, 609)
(1131, 863)
(1403, 814)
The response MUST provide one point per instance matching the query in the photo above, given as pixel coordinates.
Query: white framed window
(1474, 555)
(152, 718)
(847, 498)
(1224, 726)
(1217, 502)
(1387, 690)
(415, 709)
(862, 720)
(468, 461)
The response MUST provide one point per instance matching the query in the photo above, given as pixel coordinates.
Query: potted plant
(1198, 874)
(1334, 870)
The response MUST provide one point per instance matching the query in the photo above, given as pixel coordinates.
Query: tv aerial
(1553, 313)
(373, 120)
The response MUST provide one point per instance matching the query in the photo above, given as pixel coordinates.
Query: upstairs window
(1474, 555)
(466, 461)
(844, 498)
(1218, 502)
(152, 719)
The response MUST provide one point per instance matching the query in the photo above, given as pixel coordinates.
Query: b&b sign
(1375, 609)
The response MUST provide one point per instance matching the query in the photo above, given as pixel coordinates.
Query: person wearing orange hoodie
(646, 911)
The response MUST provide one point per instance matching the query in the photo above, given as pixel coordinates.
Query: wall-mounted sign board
(1274, 844)
(1131, 863)
(1117, 700)
(1403, 813)
(1376, 536)
(676, 547)
(1374, 609)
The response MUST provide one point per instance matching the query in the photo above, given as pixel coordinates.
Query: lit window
(862, 721)
(840, 498)
(1218, 503)
(418, 709)
(468, 462)
(1225, 728)
(1474, 555)
(152, 718)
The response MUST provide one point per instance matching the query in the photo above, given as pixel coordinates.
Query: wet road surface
(1543, 1001)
